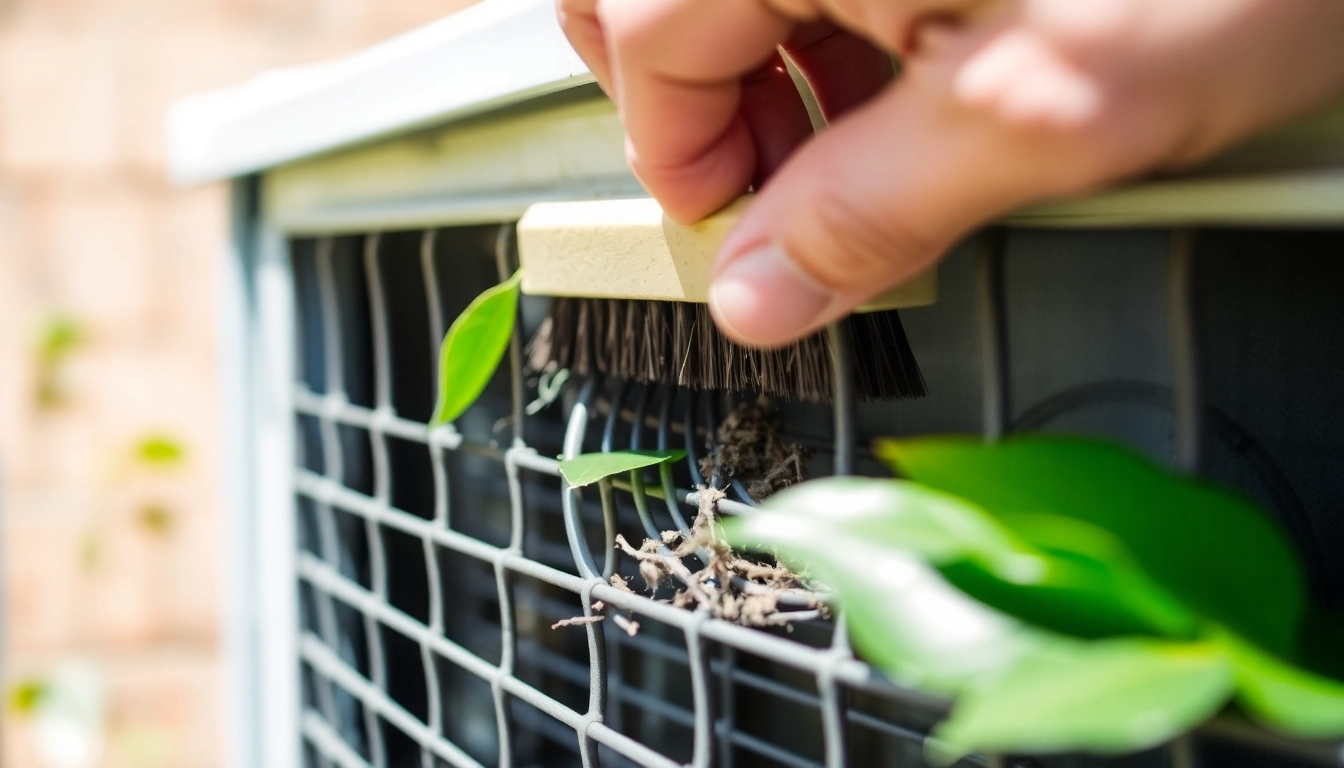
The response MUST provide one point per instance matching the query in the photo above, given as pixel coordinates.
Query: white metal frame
(261, 617)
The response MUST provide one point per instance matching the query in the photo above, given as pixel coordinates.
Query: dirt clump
(730, 586)
(751, 448)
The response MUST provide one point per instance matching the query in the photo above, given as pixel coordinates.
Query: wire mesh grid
(433, 562)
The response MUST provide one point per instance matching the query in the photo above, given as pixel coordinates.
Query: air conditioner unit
(395, 586)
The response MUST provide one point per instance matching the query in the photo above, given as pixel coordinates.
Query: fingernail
(763, 298)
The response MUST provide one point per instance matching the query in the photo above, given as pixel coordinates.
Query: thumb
(872, 201)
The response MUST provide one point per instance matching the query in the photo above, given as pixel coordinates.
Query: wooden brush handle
(627, 249)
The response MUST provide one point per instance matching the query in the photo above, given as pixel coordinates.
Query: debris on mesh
(578, 621)
(625, 622)
(630, 626)
(729, 586)
(752, 449)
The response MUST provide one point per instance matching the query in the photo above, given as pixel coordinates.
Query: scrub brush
(630, 286)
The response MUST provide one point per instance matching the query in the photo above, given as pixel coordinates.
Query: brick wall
(109, 557)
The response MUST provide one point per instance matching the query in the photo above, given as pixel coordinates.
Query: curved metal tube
(689, 420)
(665, 469)
(711, 414)
(637, 476)
(570, 501)
(613, 415)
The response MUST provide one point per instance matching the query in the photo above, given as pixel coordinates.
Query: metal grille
(433, 562)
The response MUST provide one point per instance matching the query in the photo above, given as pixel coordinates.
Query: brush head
(673, 342)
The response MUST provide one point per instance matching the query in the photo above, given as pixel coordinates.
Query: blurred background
(110, 557)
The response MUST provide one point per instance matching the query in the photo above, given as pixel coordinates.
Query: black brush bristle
(666, 342)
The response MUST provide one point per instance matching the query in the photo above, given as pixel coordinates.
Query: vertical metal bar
(726, 722)
(505, 258)
(583, 561)
(382, 484)
(333, 460)
(834, 713)
(275, 611)
(508, 634)
(238, 343)
(382, 378)
(841, 346)
(508, 649)
(702, 753)
(1187, 406)
(432, 699)
(433, 693)
(335, 466)
(597, 678)
(997, 402)
(428, 243)
(437, 330)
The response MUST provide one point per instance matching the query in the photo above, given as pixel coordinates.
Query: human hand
(999, 103)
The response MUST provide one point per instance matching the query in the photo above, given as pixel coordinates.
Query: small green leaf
(1108, 697)
(861, 538)
(160, 450)
(1192, 539)
(1284, 697)
(591, 467)
(473, 347)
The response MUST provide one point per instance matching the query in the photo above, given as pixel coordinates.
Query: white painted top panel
(489, 55)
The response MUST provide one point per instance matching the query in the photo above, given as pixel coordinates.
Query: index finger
(676, 71)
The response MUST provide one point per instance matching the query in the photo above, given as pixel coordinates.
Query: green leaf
(861, 537)
(1095, 592)
(936, 526)
(591, 467)
(1284, 697)
(1089, 585)
(1107, 696)
(1194, 540)
(473, 347)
